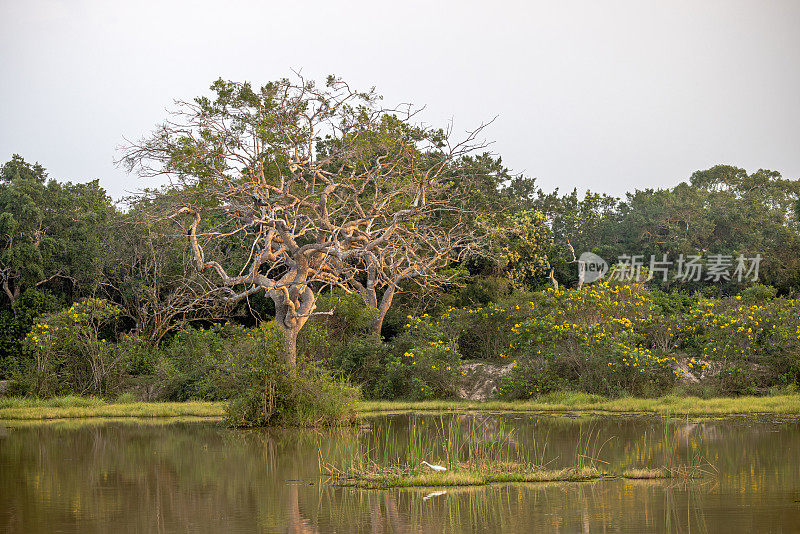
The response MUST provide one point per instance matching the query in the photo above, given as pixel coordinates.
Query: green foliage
(72, 350)
(591, 340)
(138, 355)
(365, 360)
(482, 333)
(754, 344)
(759, 292)
(525, 248)
(324, 335)
(425, 363)
(65, 242)
(52, 230)
(16, 322)
(209, 363)
(270, 395)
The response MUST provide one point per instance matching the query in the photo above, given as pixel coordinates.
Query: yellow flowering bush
(756, 344)
(72, 349)
(426, 364)
(590, 339)
(483, 332)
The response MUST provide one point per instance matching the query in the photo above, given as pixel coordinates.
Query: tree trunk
(553, 279)
(291, 317)
(581, 274)
(383, 307)
(290, 348)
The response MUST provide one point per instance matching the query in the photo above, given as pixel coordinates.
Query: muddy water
(200, 477)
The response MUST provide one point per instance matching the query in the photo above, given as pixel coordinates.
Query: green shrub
(16, 323)
(126, 398)
(592, 340)
(531, 378)
(205, 363)
(482, 333)
(137, 354)
(324, 335)
(761, 337)
(71, 352)
(426, 364)
(270, 395)
(758, 292)
(365, 360)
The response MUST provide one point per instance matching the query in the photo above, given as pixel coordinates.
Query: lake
(198, 476)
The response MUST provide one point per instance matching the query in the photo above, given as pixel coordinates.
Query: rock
(481, 379)
(695, 372)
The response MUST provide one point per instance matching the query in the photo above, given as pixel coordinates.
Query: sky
(605, 96)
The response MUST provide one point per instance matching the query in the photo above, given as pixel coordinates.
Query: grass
(644, 473)
(81, 407)
(583, 402)
(465, 477)
(66, 407)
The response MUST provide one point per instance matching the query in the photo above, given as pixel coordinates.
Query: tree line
(293, 195)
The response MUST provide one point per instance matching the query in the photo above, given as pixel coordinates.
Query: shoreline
(579, 403)
(563, 403)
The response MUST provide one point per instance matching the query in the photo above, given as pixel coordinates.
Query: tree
(418, 256)
(722, 210)
(525, 248)
(578, 225)
(49, 229)
(147, 271)
(316, 182)
(70, 352)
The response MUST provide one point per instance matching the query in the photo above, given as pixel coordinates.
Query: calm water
(200, 477)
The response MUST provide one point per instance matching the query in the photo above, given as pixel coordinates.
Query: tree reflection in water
(202, 477)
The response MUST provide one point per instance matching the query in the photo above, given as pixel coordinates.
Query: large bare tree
(417, 253)
(323, 186)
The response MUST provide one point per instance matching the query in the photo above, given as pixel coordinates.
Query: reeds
(475, 450)
(478, 452)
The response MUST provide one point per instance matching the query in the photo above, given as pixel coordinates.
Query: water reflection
(201, 477)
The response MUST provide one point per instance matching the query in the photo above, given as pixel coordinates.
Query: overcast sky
(607, 96)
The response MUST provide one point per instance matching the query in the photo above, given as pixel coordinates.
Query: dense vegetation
(104, 299)
(84, 313)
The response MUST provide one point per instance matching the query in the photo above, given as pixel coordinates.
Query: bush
(425, 364)
(531, 378)
(207, 363)
(272, 396)
(757, 344)
(593, 340)
(71, 352)
(758, 292)
(364, 360)
(324, 335)
(138, 354)
(482, 333)
(16, 323)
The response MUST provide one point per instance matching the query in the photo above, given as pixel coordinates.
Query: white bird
(434, 494)
(434, 467)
